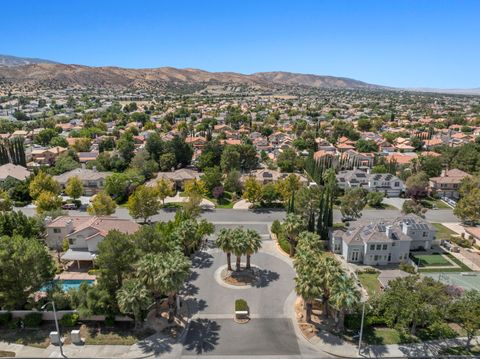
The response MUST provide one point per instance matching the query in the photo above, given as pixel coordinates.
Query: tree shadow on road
(156, 344)
(202, 260)
(264, 278)
(202, 336)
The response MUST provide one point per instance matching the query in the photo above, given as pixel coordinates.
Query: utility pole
(361, 329)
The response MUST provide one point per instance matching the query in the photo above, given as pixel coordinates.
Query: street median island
(242, 277)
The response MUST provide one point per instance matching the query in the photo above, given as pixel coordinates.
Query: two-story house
(84, 233)
(448, 183)
(390, 185)
(383, 242)
(93, 180)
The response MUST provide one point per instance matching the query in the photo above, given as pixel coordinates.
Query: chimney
(388, 231)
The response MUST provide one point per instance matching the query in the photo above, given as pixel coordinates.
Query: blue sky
(404, 43)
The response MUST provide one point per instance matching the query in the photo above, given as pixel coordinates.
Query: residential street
(244, 216)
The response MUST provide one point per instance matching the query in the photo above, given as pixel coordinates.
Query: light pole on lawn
(361, 329)
(56, 325)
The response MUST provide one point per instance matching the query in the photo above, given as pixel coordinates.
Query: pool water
(66, 285)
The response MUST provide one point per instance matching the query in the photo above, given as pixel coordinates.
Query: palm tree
(253, 244)
(329, 271)
(225, 243)
(292, 226)
(307, 286)
(133, 297)
(150, 272)
(239, 245)
(344, 296)
(176, 270)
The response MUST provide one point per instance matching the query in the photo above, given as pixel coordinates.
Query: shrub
(353, 321)
(437, 330)
(283, 243)
(241, 305)
(339, 226)
(276, 227)
(33, 319)
(110, 320)
(407, 268)
(375, 320)
(5, 318)
(69, 319)
(369, 271)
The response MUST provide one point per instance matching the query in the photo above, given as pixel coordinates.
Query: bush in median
(241, 305)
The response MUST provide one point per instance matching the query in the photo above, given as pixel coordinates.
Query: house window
(70, 240)
(384, 247)
(393, 244)
(389, 257)
(372, 247)
(397, 184)
(376, 257)
(379, 247)
(57, 230)
(425, 234)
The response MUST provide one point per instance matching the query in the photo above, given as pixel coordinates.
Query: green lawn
(442, 231)
(462, 267)
(382, 335)
(430, 260)
(370, 282)
(438, 203)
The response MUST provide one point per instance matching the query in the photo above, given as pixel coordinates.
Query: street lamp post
(57, 326)
(361, 330)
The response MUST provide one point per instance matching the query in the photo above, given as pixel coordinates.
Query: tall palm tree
(344, 296)
(307, 286)
(225, 243)
(149, 271)
(329, 271)
(239, 245)
(292, 226)
(253, 244)
(132, 298)
(176, 270)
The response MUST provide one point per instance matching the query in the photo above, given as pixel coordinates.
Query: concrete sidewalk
(334, 345)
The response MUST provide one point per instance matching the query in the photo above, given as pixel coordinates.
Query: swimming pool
(66, 285)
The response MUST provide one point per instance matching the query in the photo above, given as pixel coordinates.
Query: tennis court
(468, 280)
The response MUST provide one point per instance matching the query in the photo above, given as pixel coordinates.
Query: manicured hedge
(33, 319)
(241, 305)
(5, 318)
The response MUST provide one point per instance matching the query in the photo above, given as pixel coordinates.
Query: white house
(390, 185)
(383, 242)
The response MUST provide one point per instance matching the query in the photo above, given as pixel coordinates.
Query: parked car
(69, 206)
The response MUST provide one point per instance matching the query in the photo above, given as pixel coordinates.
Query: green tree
(353, 202)
(468, 207)
(252, 191)
(364, 146)
(417, 185)
(253, 243)
(212, 177)
(143, 203)
(375, 199)
(465, 311)
(292, 227)
(74, 187)
(269, 194)
(47, 201)
(345, 296)
(25, 265)
(164, 189)
(43, 182)
(225, 242)
(133, 298)
(232, 182)
(5, 202)
(116, 253)
(167, 161)
(230, 159)
(102, 205)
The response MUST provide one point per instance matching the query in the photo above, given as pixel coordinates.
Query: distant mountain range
(33, 72)
(12, 61)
